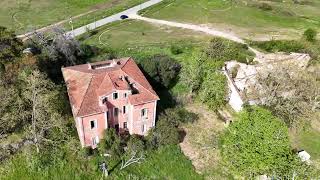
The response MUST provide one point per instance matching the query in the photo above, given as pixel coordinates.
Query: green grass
(242, 17)
(132, 34)
(309, 140)
(30, 14)
(166, 163)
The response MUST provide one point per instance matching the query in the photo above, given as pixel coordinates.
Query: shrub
(257, 143)
(310, 35)
(234, 71)
(111, 143)
(178, 115)
(265, 6)
(135, 145)
(226, 50)
(280, 45)
(160, 69)
(175, 49)
(213, 90)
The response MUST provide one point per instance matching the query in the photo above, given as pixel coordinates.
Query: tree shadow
(182, 135)
(114, 167)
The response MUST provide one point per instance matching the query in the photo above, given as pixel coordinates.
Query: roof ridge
(85, 94)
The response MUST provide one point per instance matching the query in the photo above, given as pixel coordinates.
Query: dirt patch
(200, 142)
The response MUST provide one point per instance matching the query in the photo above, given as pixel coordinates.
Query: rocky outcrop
(6, 150)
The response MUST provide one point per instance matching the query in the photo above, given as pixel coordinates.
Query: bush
(280, 45)
(175, 49)
(265, 6)
(160, 69)
(257, 143)
(178, 115)
(234, 71)
(310, 35)
(213, 90)
(111, 143)
(226, 50)
(135, 145)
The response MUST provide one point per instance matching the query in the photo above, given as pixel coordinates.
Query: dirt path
(199, 28)
(207, 30)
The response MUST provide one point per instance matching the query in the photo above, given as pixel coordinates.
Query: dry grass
(200, 143)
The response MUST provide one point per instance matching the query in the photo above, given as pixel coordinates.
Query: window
(115, 111)
(125, 95)
(143, 128)
(144, 112)
(125, 126)
(104, 100)
(93, 124)
(95, 140)
(124, 109)
(115, 95)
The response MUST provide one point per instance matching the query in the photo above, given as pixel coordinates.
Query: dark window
(125, 95)
(116, 112)
(115, 95)
(125, 125)
(124, 109)
(117, 127)
(92, 124)
(144, 112)
(104, 100)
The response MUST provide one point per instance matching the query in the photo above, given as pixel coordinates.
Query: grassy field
(24, 15)
(249, 19)
(132, 33)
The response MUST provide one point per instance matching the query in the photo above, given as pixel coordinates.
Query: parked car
(124, 17)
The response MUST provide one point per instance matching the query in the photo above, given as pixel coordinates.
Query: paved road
(101, 22)
(115, 17)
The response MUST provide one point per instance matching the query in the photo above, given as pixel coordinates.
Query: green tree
(111, 143)
(13, 114)
(135, 145)
(165, 133)
(160, 69)
(10, 45)
(310, 34)
(257, 143)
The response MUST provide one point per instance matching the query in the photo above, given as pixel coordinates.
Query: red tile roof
(87, 82)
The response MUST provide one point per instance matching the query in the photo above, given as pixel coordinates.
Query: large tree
(257, 143)
(41, 96)
(10, 45)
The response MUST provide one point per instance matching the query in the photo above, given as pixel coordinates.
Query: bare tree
(40, 95)
(290, 92)
(132, 160)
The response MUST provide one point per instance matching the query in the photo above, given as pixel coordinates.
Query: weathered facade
(110, 94)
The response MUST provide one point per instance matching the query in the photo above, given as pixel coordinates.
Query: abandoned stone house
(110, 94)
(242, 78)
